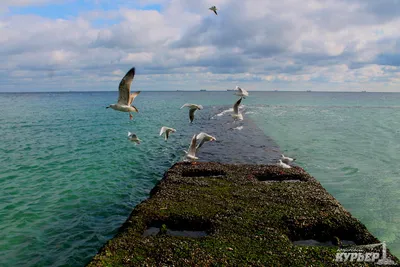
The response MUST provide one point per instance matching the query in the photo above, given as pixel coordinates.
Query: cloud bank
(345, 45)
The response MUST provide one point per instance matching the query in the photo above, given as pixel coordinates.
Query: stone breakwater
(212, 214)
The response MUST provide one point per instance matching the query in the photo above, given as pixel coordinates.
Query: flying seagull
(287, 160)
(236, 114)
(133, 137)
(213, 8)
(125, 98)
(204, 138)
(192, 149)
(283, 165)
(192, 109)
(167, 131)
(241, 92)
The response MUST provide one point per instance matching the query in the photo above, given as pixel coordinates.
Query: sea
(69, 176)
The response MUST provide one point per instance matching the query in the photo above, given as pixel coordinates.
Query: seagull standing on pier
(167, 132)
(236, 114)
(192, 109)
(287, 160)
(283, 165)
(125, 98)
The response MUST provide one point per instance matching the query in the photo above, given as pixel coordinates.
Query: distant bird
(192, 109)
(167, 131)
(213, 8)
(204, 138)
(236, 114)
(133, 137)
(283, 165)
(241, 92)
(125, 98)
(192, 149)
(287, 160)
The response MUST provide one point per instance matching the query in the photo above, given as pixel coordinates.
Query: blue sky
(340, 45)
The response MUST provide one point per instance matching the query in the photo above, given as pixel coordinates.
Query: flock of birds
(126, 98)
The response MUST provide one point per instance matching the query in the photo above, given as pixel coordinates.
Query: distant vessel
(203, 90)
(308, 90)
(275, 90)
(363, 91)
(230, 90)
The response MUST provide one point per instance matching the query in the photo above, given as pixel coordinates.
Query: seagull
(125, 98)
(283, 165)
(241, 92)
(192, 149)
(204, 138)
(133, 137)
(192, 109)
(167, 131)
(213, 8)
(236, 114)
(287, 160)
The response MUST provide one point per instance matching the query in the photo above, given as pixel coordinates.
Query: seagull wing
(236, 106)
(215, 11)
(125, 87)
(191, 114)
(201, 143)
(133, 96)
(192, 147)
(186, 105)
(163, 129)
(200, 136)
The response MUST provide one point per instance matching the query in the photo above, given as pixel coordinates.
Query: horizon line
(230, 90)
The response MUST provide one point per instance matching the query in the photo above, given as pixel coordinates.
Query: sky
(89, 45)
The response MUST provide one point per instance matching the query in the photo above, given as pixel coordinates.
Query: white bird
(241, 92)
(192, 109)
(192, 149)
(236, 114)
(125, 98)
(213, 8)
(283, 165)
(204, 138)
(287, 160)
(133, 137)
(167, 131)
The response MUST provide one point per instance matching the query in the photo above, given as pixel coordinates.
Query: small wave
(238, 128)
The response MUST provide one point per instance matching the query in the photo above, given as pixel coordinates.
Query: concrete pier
(212, 214)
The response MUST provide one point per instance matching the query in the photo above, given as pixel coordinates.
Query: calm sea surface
(69, 177)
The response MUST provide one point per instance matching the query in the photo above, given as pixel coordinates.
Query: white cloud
(316, 43)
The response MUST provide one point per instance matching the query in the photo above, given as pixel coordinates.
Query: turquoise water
(69, 177)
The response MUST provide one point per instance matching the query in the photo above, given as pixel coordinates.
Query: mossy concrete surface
(212, 214)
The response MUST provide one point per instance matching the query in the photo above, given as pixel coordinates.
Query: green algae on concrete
(212, 214)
